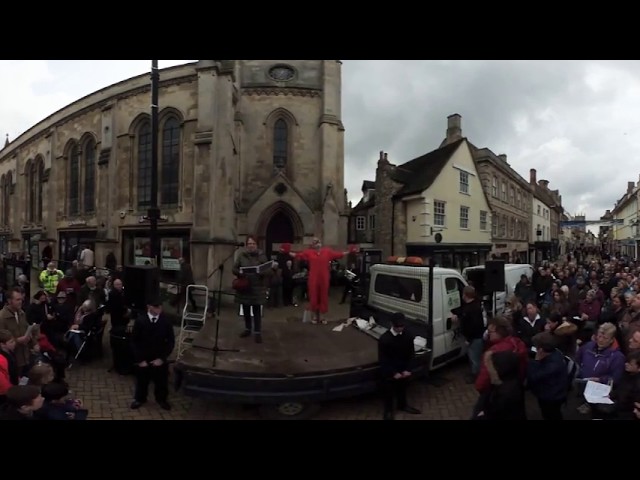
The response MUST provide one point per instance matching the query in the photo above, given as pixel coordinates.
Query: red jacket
(5, 382)
(508, 344)
(45, 345)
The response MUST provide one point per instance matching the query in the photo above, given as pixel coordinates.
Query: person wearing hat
(153, 340)
(395, 353)
(22, 402)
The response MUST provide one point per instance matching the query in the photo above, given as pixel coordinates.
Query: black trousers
(394, 394)
(551, 410)
(287, 292)
(252, 318)
(160, 378)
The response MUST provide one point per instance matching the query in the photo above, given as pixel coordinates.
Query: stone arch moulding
(288, 210)
(86, 138)
(280, 112)
(137, 122)
(168, 112)
(68, 146)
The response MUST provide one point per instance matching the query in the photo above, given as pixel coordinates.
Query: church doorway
(279, 230)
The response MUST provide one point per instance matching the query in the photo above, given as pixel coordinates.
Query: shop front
(511, 252)
(174, 243)
(456, 256)
(69, 243)
(31, 244)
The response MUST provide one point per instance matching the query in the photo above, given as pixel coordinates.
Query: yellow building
(626, 234)
(434, 206)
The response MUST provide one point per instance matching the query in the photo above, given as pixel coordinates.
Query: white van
(405, 288)
(512, 274)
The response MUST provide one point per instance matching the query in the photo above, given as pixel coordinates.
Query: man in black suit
(395, 353)
(120, 340)
(153, 340)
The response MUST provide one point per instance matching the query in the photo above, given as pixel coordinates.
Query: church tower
(289, 139)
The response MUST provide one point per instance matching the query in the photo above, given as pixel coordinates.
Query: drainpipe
(393, 233)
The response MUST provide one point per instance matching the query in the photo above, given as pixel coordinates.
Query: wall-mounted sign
(171, 248)
(77, 223)
(145, 219)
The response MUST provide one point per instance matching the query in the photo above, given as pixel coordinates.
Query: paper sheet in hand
(260, 268)
(30, 330)
(597, 393)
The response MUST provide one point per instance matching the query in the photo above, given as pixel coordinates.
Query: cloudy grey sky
(576, 122)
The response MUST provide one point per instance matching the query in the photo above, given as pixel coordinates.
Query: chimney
(607, 213)
(630, 187)
(503, 157)
(544, 184)
(383, 158)
(532, 176)
(454, 128)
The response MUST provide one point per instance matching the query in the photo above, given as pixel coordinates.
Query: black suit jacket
(117, 307)
(152, 340)
(395, 353)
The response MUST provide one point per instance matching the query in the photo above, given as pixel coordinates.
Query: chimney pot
(454, 128)
(503, 156)
(532, 176)
(385, 156)
(454, 121)
(544, 183)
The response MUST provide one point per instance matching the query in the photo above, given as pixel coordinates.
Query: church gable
(282, 194)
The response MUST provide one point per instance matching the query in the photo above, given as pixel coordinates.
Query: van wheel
(289, 411)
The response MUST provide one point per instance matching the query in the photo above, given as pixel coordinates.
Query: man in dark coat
(153, 340)
(395, 353)
(471, 321)
(119, 337)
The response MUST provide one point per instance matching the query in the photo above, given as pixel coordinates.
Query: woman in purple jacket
(599, 360)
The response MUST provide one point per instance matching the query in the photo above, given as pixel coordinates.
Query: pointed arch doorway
(279, 230)
(279, 223)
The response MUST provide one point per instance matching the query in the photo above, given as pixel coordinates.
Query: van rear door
(452, 287)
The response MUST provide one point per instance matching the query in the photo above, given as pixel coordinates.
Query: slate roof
(418, 174)
(368, 185)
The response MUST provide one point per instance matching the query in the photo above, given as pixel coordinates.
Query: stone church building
(245, 147)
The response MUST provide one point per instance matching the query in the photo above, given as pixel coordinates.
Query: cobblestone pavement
(108, 395)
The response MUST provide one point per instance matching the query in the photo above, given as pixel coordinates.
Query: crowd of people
(568, 327)
(43, 333)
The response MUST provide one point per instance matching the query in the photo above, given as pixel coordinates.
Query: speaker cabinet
(494, 276)
(141, 285)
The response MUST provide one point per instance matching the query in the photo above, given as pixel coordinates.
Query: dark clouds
(573, 121)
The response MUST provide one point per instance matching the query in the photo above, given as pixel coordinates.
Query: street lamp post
(153, 213)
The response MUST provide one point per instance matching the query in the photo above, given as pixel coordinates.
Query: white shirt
(151, 317)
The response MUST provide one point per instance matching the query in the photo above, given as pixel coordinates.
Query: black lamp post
(153, 213)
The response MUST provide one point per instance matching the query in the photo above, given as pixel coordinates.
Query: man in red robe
(319, 259)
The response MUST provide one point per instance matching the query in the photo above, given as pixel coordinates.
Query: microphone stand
(215, 348)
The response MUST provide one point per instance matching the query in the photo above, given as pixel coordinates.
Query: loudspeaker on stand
(141, 285)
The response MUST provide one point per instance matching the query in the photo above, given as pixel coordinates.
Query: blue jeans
(474, 352)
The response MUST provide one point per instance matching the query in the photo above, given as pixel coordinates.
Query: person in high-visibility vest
(50, 277)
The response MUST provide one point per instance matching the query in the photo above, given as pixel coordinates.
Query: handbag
(240, 284)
